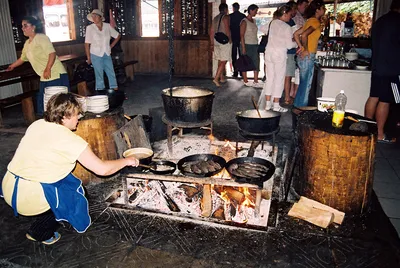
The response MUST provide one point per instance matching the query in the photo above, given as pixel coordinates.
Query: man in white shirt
(301, 8)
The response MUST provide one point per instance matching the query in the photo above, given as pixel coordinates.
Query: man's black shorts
(386, 88)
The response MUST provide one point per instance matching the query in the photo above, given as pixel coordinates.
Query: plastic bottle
(338, 114)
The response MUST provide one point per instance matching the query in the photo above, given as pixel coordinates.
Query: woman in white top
(280, 39)
(249, 44)
(98, 49)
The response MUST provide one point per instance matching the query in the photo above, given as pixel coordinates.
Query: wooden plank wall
(191, 56)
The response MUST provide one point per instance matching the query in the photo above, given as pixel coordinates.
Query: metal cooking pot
(249, 121)
(188, 104)
(115, 97)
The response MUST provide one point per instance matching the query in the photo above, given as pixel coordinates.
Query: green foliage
(352, 7)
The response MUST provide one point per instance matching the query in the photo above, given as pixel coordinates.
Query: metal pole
(171, 43)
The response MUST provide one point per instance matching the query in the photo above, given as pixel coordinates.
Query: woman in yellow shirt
(38, 181)
(307, 40)
(39, 51)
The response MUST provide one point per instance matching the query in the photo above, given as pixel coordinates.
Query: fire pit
(218, 199)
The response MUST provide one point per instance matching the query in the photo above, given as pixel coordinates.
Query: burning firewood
(234, 195)
(190, 191)
(219, 213)
(206, 201)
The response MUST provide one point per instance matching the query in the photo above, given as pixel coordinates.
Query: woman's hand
(89, 61)
(47, 73)
(10, 68)
(132, 161)
(299, 50)
(304, 54)
(243, 51)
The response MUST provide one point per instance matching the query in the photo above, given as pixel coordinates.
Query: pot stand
(256, 138)
(171, 126)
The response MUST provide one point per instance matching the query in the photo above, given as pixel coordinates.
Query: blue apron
(66, 199)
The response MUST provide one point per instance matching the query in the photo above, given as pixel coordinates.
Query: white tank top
(250, 36)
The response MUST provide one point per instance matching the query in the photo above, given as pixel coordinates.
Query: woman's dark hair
(222, 7)
(312, 8)
(282, 10)
(60, 105)
(292, 4)
(251, 7)
(395, 5)
(35, 22)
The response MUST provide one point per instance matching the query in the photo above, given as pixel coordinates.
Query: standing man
(222, 52)
(385, 77)
(236, 17)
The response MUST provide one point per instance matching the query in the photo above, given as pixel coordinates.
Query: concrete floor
(119, 238)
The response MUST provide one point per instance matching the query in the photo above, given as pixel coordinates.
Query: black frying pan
(259, 181)
(153, 167)
(201, 157)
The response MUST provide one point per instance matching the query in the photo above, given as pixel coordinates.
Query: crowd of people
(289, 55)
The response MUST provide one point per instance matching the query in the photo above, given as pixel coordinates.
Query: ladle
(255, 105)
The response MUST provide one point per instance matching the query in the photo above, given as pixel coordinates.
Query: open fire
(211, 199)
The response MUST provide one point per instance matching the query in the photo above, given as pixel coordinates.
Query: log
(335, 165)
(190, 191)
(321, 218)
(219, 213)
(338, 215)
(97, 130)
(132, 135)
(206, 201)
(234, 195)
(178, 178)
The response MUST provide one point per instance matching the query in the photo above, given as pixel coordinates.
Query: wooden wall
(192, 57)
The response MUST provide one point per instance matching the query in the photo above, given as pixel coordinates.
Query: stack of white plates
(50, 91)
(82, 101)
(97, 104)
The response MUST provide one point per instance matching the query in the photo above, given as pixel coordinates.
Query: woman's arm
(87, 51)
(104, 167)
(242, 32)
(297, 38)
(304, 41)
(50, 63)
(15, 64)
(227, 27)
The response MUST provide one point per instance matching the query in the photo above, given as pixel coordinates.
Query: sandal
(49, 241)
(387, 140)
(216, 83)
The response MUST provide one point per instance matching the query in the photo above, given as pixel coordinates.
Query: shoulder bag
(264, 41)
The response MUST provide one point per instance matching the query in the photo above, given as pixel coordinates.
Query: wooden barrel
(97, 130)
(336, 166)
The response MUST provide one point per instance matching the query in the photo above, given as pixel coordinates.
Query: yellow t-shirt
(37, 53)
(47, 153)
(314, 36)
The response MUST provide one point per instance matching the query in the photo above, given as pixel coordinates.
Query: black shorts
(386, 88)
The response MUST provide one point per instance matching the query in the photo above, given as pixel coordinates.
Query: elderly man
(385, 78)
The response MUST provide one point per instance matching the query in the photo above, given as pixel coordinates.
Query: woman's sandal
(387, 140)
(49, 241)
(216, 83)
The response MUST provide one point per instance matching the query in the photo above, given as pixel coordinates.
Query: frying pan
(201, 157)
(259, 181)
(153, 167)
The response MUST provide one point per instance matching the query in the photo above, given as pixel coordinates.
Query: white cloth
(299, 20)
(250, 35)
(100, 40)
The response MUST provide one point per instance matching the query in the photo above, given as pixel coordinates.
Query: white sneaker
(248, 84)
(268, 106)
(258, 85)
(278, 108)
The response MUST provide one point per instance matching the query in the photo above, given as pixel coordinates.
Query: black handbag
(244, 64)
(264, 41)
(220, 36)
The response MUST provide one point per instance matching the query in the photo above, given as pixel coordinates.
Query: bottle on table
(338, 114)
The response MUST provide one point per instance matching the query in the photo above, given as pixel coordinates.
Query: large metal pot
(250, 121)
(188, 104)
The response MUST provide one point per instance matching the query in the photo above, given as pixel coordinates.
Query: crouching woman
(39, 182)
